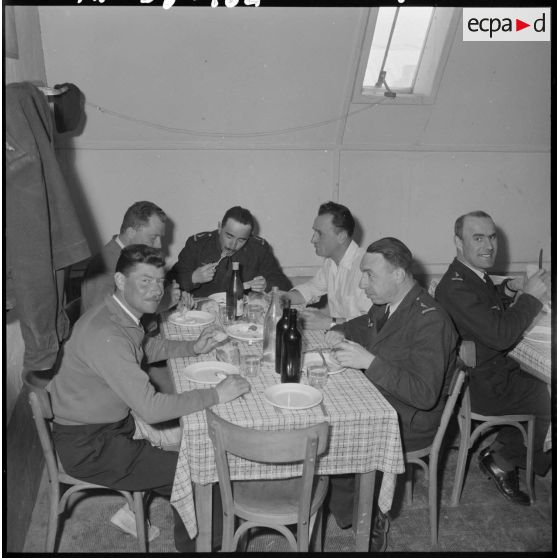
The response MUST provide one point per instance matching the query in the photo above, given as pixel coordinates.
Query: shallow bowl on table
(192, 318)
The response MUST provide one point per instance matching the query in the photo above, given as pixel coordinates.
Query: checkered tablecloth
(364, 429)
(535, 356)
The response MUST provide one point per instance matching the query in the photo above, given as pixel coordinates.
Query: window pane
(405, 49)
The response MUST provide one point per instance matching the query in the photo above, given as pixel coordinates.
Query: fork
(324, 360)
(225, 253)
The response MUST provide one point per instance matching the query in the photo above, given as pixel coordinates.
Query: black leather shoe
(379, 532)
(507, 482)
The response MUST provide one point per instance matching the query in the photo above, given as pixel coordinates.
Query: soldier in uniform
(406, 345)
(203, 271)
(484, 314)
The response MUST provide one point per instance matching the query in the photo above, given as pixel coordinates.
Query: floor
(483, 521)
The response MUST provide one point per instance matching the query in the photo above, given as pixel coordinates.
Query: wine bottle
(273, 315)
(235, 294)
(292, 349)
(280, 330)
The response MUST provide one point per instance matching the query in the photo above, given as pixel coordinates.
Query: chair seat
(276, 500)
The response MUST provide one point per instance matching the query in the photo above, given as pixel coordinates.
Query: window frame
(443, 27)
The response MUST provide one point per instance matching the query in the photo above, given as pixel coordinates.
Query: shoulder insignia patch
(201, 235)
(259, 240)
(429, 309)
(457, 278)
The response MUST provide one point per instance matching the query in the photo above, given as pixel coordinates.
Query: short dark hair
(138, 215)
(341, 217)
(239, 214)
(458, 227)
(394, 251)
(134, 254)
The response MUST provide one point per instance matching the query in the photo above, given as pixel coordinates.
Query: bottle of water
(272, 316)
(235, 294)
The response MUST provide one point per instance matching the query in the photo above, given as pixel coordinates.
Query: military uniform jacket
(255, 258)
(414, 361)
(483, 314)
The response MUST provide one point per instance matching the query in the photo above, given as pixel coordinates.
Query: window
(404, 52)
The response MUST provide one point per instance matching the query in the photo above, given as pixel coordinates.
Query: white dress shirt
(340, 282)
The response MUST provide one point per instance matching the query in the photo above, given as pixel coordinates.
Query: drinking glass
(254, 313)
(228, 352)
(317, 375)
(226, 314)
(251, 366)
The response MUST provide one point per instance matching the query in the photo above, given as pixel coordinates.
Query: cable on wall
(187, 131)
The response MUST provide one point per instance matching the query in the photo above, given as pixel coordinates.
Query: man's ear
(342, 236)
(130, 234)
(458, 243)
(119, 280)
(399, 274)
(219, 227)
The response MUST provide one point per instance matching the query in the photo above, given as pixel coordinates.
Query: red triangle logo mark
(519, 25)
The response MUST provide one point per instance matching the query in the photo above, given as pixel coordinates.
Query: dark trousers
(511, 391)
(106, 454)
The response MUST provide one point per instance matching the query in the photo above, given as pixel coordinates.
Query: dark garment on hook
(43, 233)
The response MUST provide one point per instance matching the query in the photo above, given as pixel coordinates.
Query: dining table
(364, 435)
(533, 353)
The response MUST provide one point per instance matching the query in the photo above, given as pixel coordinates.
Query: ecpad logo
(506, 24)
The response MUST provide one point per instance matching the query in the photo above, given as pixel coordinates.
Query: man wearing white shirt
(339, 275)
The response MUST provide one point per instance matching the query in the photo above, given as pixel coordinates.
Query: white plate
(293, 396)
(312, 357)
(541, 334)
(209, 371)
(219, 298)
(245, 331)
(193, 318)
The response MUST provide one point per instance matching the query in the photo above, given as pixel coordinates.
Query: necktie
(488, 281)
(383, 319)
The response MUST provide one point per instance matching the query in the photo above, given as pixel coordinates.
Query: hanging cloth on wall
(43, 232)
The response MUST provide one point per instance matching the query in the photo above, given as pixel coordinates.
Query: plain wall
(200, 79)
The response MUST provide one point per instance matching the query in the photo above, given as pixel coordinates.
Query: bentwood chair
(433, 451)
(469, 435)
(271, 503)
(39, 399)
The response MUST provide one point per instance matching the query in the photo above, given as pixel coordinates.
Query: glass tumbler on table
(250, 366)
(317, 375)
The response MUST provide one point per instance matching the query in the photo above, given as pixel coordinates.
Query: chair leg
(228, 533)
(54, 497)
(409, 483)
(529, 476)
(316, 529)
(464, 442)
(140, 521)
(433, 498)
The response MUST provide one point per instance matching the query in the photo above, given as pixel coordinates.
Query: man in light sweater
(100, 381)
(339, 275)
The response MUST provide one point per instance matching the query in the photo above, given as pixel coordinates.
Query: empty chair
(433, 451)
(469, 435)
(274, 503)
(39, 399)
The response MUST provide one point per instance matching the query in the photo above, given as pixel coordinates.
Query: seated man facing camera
(100, 381)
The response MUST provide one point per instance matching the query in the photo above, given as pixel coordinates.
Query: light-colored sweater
(100, 378)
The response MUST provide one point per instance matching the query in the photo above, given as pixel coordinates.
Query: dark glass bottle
(292, 349)
(235, 294)
(282, 326)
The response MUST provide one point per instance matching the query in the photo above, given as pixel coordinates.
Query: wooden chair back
(287, 446)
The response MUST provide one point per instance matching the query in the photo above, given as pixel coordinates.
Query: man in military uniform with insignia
(204, 265)
(406, 345)
(485, 314)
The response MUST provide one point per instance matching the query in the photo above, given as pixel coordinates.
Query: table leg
(362, 513)
(204, 504)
